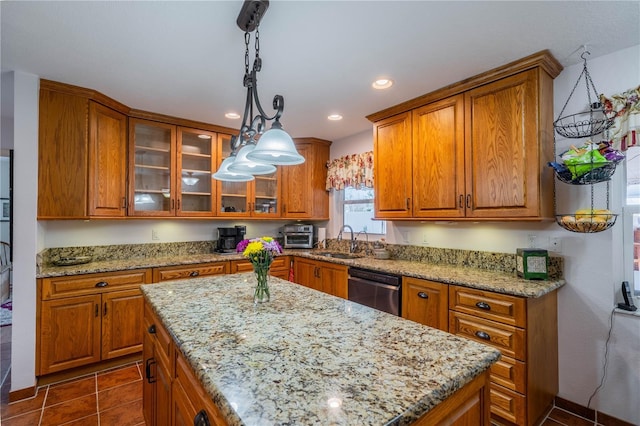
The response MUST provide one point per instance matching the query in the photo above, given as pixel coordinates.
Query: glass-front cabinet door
(152, 160)
(259, 197)
(266, 193)
(196, 162)
(233, 197)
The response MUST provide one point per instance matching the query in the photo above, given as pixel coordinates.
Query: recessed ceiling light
(383, 83)
(335, 117)
(204, 136)
(232, 115)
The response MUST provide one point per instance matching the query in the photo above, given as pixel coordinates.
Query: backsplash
(503, 262)
(127, 251)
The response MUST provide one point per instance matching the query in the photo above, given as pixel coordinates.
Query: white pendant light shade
(224, 174)
(243, 164)
(275, 146)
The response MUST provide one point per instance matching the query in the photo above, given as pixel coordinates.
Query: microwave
(298, 236)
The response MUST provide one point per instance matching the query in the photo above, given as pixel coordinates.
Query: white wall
(24, 89)
(74, 233)
(592, 261)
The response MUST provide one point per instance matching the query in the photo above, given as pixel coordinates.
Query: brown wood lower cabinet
(322, 276)
(171, 393)
(524, 381)
(279, 267)
(85, 319)
(425, 302)
(178, 272)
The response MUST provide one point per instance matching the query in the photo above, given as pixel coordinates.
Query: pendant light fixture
(255, 151)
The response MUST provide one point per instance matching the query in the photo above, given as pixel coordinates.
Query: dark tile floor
(107, 398)
(114, 398)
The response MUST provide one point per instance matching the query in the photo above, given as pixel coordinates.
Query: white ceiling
(186, 59)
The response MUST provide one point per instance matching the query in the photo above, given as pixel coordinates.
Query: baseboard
(589, 413)
(88, 369)
(21, 394)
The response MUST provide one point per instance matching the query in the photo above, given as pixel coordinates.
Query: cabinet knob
(152, 329)
(201, 419)
(194, 274)
(482, 335)
(101, 284)
(483, 305)
(423, 295)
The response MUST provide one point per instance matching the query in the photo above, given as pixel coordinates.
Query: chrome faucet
(366, 248)
(352, 244)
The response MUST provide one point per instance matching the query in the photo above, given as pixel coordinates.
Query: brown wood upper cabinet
(90, 139)
(171, 170)
(303, 189)
(476, 150)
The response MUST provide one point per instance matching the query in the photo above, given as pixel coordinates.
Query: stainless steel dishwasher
(377, 290)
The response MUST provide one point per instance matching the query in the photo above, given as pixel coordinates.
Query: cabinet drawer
(58, 287)
(190, 271)
(510, 340)
(508, 404)
(280, 263)
(497, 307)
(509, 373)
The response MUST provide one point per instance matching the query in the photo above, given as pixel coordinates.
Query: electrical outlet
(154, 235)
(425, 241)
(532, 240)
(555, 244)
(405, 236)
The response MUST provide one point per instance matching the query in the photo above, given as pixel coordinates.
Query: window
(631, 218)
(358, 211)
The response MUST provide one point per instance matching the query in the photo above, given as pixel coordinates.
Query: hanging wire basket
(598, 172)
(586, 223)
(584, 124)
(588, 123)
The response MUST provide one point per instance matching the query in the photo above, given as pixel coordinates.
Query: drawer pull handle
(194, 274)
(423, 295)
(152, 329)
(484, 306)
(148, 364)
(102, 284)
(201, 419)
(482, 335)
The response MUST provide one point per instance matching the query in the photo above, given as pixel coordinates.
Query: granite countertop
(484, 279)
(310, 358)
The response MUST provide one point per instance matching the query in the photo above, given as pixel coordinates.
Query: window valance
(625, 132)
(351, 170)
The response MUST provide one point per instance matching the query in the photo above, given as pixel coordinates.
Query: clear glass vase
(261, 293)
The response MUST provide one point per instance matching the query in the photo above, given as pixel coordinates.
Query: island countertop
(307, 357)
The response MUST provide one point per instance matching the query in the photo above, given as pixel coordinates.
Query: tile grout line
(97, 398)
(44, 400)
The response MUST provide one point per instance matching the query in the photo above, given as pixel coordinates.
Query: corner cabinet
(476, 150)
(87, 133)
(304, 194)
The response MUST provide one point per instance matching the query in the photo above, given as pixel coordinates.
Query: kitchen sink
(339, 255)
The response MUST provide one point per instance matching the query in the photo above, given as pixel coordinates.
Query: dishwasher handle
(363, 282)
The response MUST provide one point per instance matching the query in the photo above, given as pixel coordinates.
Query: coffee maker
(228, 238)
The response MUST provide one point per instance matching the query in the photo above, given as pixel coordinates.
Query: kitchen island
(307, 357)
